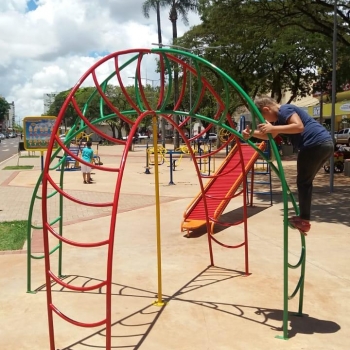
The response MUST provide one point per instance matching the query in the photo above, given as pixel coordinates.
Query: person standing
(87, 155)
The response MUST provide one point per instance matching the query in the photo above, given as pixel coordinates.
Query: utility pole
(334, 80)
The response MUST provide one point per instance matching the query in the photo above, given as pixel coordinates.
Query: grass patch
(18, 167)
(13, 234)
(29, 156)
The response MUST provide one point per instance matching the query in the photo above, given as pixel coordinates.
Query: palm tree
(177, 7)
(182, 8)
(154, 4)
(146, 7)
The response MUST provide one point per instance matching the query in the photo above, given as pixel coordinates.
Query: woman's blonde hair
(263, 101)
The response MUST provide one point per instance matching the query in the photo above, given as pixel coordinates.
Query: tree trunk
(162, 125)
(173, 19)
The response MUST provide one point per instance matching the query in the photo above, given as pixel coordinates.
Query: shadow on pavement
(326, 206)
(131, 331)
(229, 219)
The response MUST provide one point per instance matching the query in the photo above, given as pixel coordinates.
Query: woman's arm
(294, 126)
(248, 133)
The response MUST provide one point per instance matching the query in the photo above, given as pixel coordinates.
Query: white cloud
(49, 49)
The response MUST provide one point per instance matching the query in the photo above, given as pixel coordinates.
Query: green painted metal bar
(29, 232)
(199, 87)
(49, 196)
(227, 100)
(43, 256)
(51, 223)
(303, 267)
(296, 288)
(301, 260)
(167, 98)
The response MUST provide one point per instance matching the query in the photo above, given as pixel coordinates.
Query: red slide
(220, 189)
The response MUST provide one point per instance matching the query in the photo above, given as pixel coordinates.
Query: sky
(47, 45)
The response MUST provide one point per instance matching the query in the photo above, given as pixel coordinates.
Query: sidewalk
(213, 308)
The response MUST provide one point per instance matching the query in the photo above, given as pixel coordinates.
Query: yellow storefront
(342, 111)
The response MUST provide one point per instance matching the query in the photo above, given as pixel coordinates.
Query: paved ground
(214, 308)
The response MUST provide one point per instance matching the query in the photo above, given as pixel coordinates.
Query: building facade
(11, 116)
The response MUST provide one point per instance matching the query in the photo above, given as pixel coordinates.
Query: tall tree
(4, 108)
(155, 5)
(313, 16)
(179, 8)
(147, 6)
(259, 57)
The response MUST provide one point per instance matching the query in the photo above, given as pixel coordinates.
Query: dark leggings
(310, 161)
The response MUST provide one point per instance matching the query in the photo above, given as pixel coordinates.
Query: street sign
(37, 132)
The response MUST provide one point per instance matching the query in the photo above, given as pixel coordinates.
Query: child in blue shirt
(310, 137)
(87, 155)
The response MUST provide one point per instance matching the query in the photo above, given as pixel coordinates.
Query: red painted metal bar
(108, 103)
(74, 243)
(45, 182)
(213, 153)
(120, 81)
(225, 224)
(221, 106)
(228, 246)
(204, 81)
(76, 323)
(73, 199)
(139, 79)
(201, 185)
(78, 289)
(226, 197)
(91, 126)
(80, 160)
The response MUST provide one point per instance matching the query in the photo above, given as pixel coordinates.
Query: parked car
(213, 136)
(2, 136)
(343, 137)
(209, 137)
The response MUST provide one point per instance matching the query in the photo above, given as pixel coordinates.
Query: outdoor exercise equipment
(161, 152)
(204, 149)
(224, 135)
(204, 76)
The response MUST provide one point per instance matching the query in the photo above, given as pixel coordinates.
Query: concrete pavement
(214, 308)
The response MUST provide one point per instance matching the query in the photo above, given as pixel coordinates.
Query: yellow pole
(159, 301)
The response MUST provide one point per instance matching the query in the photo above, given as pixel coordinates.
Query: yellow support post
(159, 301)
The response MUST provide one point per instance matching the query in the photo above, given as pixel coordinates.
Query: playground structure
(201, 73)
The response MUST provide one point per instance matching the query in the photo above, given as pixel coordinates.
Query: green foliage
(314, 17)
(260, 55)
(4, 108)
(19, 167)
(13, 234)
